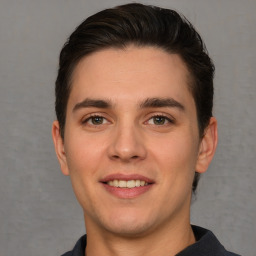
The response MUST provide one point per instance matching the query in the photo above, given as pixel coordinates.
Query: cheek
(84, 154)
(176, 161)
(176, 155)
(84, 157)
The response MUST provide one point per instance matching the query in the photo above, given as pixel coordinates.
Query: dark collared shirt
(207, 245)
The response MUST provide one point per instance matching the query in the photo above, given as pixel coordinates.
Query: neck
(167, 240)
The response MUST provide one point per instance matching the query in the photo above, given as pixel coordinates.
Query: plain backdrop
(39, 214)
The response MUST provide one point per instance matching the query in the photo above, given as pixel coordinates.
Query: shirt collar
(206, 245)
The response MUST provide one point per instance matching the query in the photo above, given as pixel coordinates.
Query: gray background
(39, 214)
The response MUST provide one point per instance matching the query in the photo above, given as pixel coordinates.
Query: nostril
(126, 158)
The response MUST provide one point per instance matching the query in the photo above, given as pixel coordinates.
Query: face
(131, 143)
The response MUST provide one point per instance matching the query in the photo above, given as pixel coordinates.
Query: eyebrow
(89, 103)
(148, 103)
(161, 103)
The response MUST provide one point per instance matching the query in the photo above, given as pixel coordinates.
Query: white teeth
(127, 184)
(122, 184)
(131, 184)
(137, 183)
(115, 183)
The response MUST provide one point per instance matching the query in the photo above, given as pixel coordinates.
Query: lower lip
(127, 192)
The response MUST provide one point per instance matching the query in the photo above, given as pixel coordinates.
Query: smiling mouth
(127, 184)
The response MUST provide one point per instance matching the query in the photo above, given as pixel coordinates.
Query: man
(135, 129)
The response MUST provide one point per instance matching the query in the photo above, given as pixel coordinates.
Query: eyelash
(168, 119)
(85, 121)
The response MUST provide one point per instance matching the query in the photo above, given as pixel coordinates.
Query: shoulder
(79, 248)
(206, 245)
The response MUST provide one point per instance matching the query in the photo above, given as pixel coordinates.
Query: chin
(129, 230)
(129, 225)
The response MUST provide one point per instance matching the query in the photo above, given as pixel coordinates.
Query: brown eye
(96, 120)
(159, 120)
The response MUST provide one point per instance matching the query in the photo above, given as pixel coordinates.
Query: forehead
(130, 72)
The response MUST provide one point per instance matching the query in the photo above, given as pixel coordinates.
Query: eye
(95, 120)
(159, 120)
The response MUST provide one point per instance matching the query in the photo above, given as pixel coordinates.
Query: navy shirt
(207, 245)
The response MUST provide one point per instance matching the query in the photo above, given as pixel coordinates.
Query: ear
(59, 147)
(207, 146)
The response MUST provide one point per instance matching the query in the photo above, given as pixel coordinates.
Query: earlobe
(59, 147)
(207, 146)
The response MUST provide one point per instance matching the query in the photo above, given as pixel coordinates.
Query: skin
(127, 138)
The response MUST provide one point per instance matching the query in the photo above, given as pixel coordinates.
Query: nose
(127, 144)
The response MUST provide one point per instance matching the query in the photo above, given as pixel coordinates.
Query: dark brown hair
(140, 25)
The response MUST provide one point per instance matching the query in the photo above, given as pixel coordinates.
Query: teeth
(122, 184)
(137, 183)
(130, 183)
(142, 183)
(115, 183)
(127, 184)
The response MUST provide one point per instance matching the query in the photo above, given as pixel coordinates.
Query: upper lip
(126, 177)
